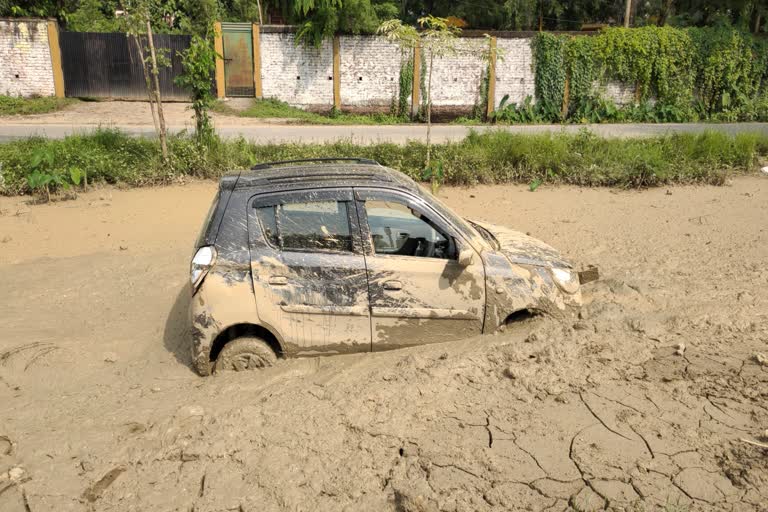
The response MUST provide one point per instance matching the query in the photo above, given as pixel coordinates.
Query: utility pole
(627, 13)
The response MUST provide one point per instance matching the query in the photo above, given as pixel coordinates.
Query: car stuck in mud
(305, 258)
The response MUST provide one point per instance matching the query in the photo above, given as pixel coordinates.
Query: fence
(109, 65)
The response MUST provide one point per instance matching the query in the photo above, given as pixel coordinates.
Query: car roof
(292, 176)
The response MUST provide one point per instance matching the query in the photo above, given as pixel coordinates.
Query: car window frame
(314, 195)
(415, 203)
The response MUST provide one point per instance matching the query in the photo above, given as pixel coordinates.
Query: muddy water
(641, 402)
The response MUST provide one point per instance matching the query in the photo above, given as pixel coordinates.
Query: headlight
(566, 279)
(204, 259)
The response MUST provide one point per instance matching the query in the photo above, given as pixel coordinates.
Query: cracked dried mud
(638, 404)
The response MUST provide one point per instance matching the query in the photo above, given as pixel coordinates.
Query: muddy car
(308, 258)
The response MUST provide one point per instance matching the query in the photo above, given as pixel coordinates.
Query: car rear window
(201, 237)
(307, 226)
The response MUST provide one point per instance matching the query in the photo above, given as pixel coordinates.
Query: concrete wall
(514, 70)
(25, 58)
(295, 74)
(369, 72)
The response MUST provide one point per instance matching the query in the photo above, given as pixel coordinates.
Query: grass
(272, 108)
(110, 156)
(12, 106)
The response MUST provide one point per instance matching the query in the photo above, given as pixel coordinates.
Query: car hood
(523, 249)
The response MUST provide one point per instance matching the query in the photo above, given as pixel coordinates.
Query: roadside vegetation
(43, 166)
(13, 106)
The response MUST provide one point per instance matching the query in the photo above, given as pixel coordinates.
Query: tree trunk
(665, 12)
(261, 19)
(757, 23)
(148, 83)
(158, 99)
(429, 108)
(627, 13)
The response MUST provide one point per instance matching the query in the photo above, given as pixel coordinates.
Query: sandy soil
(106, 113)
(640, 404)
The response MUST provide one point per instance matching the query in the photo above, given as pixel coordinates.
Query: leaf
(534, 184)
(76, 175)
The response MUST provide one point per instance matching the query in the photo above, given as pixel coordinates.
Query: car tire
(246, 353)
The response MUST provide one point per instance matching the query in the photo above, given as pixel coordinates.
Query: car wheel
(248, 353)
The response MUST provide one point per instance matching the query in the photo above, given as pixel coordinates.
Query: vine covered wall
(678, 75)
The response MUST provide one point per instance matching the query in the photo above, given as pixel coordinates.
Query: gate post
(55, 49)
(491, 78)
(218, 46)
(256, 35)
(336, 73)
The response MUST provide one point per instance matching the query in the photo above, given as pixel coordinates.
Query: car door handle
(393, 285)
(278, 280)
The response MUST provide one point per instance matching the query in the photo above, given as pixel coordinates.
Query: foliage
(549, 64)
(272, 108)
(679, 75)
(493, 157)
(405, 88)
(321, 19)
(526, 113)
(199, 62)
(14, 106)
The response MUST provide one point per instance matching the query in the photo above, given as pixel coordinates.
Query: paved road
(366, 134)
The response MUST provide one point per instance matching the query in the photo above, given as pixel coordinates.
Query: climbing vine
(405, 87)
(678, 75)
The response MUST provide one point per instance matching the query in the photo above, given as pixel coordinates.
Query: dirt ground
(639, 404)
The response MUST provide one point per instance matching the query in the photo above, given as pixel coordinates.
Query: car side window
(396, 229)
(312, 226)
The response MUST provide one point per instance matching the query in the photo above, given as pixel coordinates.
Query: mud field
(640, 404)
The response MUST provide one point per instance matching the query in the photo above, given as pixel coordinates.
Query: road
(274, 132)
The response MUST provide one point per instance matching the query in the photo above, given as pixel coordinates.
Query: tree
(139, 23)
(437, 38)
(199, 62)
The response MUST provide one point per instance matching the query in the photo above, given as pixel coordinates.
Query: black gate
(109, 66)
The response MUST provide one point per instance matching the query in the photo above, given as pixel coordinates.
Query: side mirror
(466, 256)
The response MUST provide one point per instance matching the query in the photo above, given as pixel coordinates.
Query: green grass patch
(12, 106)
(110, 156)
(271, 108)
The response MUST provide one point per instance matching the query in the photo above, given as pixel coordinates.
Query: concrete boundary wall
(353, 73)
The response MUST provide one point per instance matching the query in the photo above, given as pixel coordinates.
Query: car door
(308, 270)
(418, 291)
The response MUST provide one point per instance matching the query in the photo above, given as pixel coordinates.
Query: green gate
(237, 39)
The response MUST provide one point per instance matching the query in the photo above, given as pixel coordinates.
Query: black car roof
(321, 175)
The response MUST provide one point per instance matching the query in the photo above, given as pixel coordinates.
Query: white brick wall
(25, 59)
(298, 75)
(456, 78)
(620, 93)
(369, 70)
(514, 71)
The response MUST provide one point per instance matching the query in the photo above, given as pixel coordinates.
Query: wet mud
(640, 402)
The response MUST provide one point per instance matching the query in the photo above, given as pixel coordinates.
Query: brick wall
(25, 59)
(294, 74)
(514, 70)
(369, 72)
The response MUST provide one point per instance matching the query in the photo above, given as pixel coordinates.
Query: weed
(110, 156)
(12, 106)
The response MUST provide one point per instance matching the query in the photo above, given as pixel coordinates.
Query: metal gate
(237, 39)
(109, 66)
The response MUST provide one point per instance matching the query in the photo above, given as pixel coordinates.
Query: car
(320, 257)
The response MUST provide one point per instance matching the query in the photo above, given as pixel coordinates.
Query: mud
(639, 404)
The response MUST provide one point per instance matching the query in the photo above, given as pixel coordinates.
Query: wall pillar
(336, 73)
(256, 34)
(55, 49)
(416, 88)
(218, 46)
(491, 78)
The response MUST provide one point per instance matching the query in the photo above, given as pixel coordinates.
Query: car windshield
(466, 228)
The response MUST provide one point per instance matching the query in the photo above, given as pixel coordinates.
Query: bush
(110, 156)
